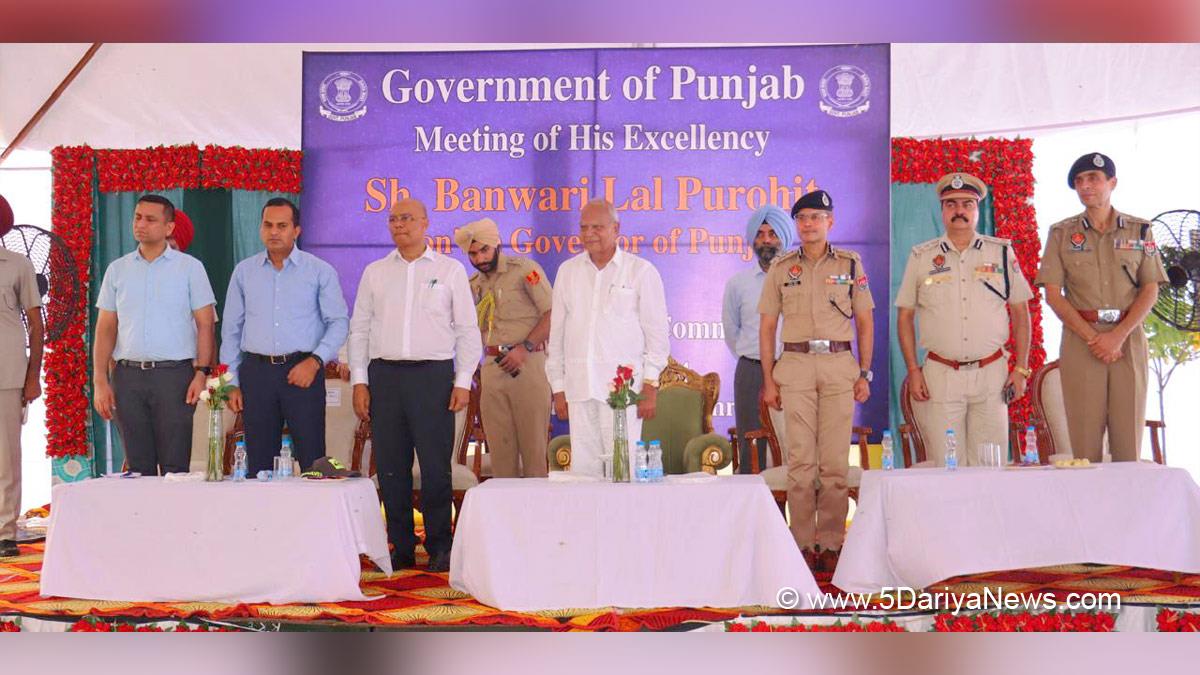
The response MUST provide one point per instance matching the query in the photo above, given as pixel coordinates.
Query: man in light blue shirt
(771, 231)
(285, 317)
(156, 320)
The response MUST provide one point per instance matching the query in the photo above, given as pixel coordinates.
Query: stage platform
(419, 600)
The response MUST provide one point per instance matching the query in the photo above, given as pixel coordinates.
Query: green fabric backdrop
(226, 223)
(916, 217)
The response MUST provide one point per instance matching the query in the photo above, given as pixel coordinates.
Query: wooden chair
(683, 424)
(776, 474)
(1050, 419)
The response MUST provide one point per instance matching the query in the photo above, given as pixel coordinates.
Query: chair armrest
(707, 452)
(558, 453)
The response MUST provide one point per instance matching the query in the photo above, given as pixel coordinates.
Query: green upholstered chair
(682, 423)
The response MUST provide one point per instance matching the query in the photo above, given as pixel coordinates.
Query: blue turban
(779, 221)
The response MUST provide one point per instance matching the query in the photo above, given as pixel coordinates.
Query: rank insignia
(1077, 241)
(533, 278)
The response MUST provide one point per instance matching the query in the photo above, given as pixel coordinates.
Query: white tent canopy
(133, 96)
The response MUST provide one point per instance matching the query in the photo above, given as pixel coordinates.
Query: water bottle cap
(949, 432)
(1029, 428)
(887, 433)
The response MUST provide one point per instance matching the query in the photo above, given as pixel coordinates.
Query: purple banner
(686, 142)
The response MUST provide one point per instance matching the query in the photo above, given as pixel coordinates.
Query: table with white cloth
(915, 527)
(536, 544)
(153, 540)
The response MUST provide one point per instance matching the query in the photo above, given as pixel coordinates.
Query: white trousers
(968, 401)
(591, 424)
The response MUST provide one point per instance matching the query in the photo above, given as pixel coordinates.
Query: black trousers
(747, 383)
(154, 418)
(269, 403)
(410, 411)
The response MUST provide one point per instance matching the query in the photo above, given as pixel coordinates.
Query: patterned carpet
(416, 599)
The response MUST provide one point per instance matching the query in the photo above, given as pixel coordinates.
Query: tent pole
(58, 91)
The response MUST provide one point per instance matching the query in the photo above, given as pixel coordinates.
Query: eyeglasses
(818, 217)
(404, 218)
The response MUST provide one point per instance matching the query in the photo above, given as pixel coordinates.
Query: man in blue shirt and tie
(771, 232)
(156, 320)
(284, 318)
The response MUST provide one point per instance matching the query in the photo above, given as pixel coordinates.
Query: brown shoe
(812, 559)
(828, 559)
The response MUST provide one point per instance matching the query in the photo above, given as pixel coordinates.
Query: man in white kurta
(609, 310)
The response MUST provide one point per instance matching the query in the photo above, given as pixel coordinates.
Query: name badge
(937, 279)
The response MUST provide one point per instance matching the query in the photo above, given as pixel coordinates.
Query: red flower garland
(76, 171)
(1172, 621)
(855, 626)
(10, 627)
(1025, 622)
(66, 362)
(1007, 168)
(245, 169)
(149, 170)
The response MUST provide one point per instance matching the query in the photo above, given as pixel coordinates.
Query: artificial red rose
(9, 627)
(222, 368)
(735, 627)
(941, 622)
(760, 627)
(962, 624)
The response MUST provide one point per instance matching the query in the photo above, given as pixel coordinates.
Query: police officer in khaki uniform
(513, 298)
(823, 295)
(1101, 272)
(20, 381)
(962, 287)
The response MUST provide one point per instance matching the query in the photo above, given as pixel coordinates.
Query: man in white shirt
(414, 346)
(609, 310)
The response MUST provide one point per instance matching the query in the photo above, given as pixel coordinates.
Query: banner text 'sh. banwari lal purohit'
(400, 86)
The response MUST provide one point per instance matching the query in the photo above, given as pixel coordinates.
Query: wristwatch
(529, 346)
(866, 375)
(207, 370)
(1027, 373)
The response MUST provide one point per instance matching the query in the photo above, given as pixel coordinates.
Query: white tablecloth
(530, 544)
(144, 539)
(915, 527)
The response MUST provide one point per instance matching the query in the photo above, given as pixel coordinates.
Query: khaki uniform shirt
(1101, 271)
(959, 297)
(817, 298)
(521, 295)
(18, 293)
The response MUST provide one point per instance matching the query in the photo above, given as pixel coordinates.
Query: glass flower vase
(620, 458)
(216, 446)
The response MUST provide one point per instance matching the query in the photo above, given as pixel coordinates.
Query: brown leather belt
(967, 365)
(817, 346)
(496, 351)
(1102, 315)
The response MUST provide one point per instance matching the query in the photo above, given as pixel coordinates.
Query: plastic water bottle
(239, 461)
(1031, 448)
(642, 464)
(951, 451)
(887, 458)
(656, 465)
(285, 457)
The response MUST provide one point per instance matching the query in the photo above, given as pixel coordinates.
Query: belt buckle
(281, 360)
(145, 365)
(1108, 315)
(818, 346)
(968, 365)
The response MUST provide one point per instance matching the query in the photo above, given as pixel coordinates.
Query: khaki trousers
(970, 403)
(1101, 397)
(10, 461)
(818, 401)
(516, 415)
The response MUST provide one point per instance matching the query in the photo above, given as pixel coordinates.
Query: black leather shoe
(8, 549)
(403, 560)
(439, 562)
